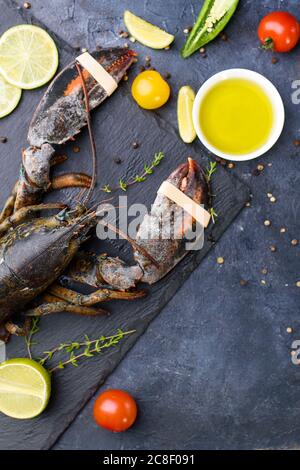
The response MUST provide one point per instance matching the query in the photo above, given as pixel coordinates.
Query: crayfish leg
(9, 205)
(4, 334)
(22, 214)
(100, 295)
(17, 330)
(9, 329)
(71, 180)
(60, 307)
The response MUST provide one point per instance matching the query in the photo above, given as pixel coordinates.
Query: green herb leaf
(106, 188)
(211, 170)
(213, 214)
(139, 179)
(123, 185)
(157, 158)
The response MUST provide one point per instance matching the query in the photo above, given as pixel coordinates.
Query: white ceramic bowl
(270, 91)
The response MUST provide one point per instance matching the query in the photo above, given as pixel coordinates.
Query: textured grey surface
(214, 369)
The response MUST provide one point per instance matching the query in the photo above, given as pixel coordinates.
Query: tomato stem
(268, 44)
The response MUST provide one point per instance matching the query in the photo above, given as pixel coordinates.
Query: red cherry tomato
(115, 410)
(279, 31)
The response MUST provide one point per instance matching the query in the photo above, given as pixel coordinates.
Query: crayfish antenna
(87, 197)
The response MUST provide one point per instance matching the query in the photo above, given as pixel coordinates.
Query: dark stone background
(214, 369)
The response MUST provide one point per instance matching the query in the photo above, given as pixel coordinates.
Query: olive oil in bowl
(236, 116)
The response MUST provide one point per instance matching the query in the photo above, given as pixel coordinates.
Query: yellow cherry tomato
(150, 90)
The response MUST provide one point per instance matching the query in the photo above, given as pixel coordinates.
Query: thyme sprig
(34, 328)
(78, 350)
(148, 170)
(210, 170)
(208, 173)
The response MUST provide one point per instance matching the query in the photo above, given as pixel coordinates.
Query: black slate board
(117, 124)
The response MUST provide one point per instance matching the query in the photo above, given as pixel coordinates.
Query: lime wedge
(25, 388)
(9, 97)
(28, 56)
(146, 33)
(186, 97)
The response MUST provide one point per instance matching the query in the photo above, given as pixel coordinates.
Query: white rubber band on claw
(98, 72)
(191, 207)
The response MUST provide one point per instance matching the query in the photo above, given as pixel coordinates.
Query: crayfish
(36, 251)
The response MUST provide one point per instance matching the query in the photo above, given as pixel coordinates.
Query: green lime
(25, 388)
(9, 97)
(28, 56)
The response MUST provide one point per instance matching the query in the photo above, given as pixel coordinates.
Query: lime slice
(186, 97)
(25, 388)
(28, 56)
(146, 33)
(9, 97)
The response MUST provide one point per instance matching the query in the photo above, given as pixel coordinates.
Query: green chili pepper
(212, 19)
